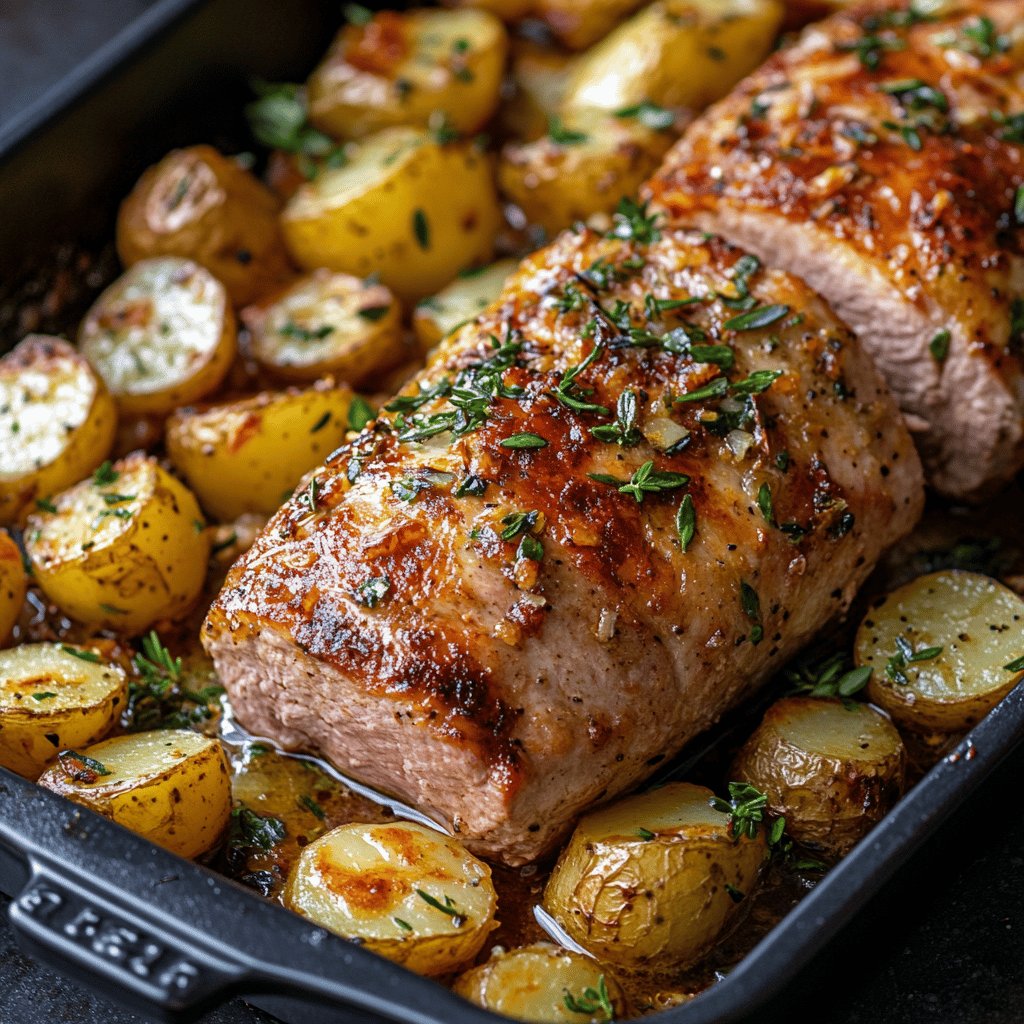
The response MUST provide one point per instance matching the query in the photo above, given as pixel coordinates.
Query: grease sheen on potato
(172, 786)
(406, 891)
(645, 882)
(832, 769)
(57, 422)
(54, 696)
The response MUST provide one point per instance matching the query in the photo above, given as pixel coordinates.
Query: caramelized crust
(456, 611)
(882, 158)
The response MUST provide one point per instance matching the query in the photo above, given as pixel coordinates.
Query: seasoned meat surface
(881, 158)
(605, 512)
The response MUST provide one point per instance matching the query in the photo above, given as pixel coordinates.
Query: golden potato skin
(161, 335)
(327, 323)
(675, 53)
(382, 883)
(978, 623)
(537, 79)
(558, 183)
(53, 696)
(405, 207)
(122, 550)
(410, 69)
(249, 455)
(581, 23)
(832, 770)
(531, 983)
(13, 585)
(201, 205)
(171, 786)
(642, 883)
(57, 422)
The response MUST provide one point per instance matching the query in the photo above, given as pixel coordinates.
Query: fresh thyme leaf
(624, 430)
(313, 494)
(46, 505)
(473, 486)
(751, 605)
(646, 480)
(632, 220)
(105, 474)
(375, 313)
(764, 503)
(593, 1002)
(646, 834)
(563, 136)
(757, 382)
(250, 830)
(290, 329)
(531, 548)
(421, 229)
(448, 907)
(755, 319)
(80, 767)
(745, 807)
(1017, 665)
(716, 388)
(686, 522)
(45, 695)
(516, 523)
(939, 346)
(404, 925)
(718, 355)
(523, 440)
(360, 412)
(649, 115)
(312, 806)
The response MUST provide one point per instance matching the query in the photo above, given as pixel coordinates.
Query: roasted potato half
(583, 166)
(57, 422)
(54, 696)
(247, 456)
(653, 881)
(832, 769)
(13, 585)
(161, 335)
(675, 53)
(328, 323)
(122, 549)
(172, 786)
(409, 69)
(203, 206)
(581, 23)
(538, 77)
(406, 891)
(468, 295)
(944, 649)
(406, 207)
(543, 983)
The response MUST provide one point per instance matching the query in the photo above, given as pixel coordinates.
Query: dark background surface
(942, 944)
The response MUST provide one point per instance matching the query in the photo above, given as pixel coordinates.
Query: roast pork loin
(881, 158)
(606, 511)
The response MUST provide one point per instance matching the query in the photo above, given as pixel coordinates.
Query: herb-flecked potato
(54, 696)
(832, 769)
(944, 649)
(161, 335)
(545, 984)
(405, 206)
(537, 80)
(583, 166)
(172, 786)
(675, 53)
(121, 549)
(410, 69)
(327, 323)
(653, 881)
(469, 294)
(203, 206)
(248, 455)
(13, 585)
(57, 422)
(406, 891)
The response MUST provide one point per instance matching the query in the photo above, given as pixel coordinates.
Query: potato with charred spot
(171, 786)
(405, 891)
(203, 206)
(57, 422)
(833, 769)
(54, 696)
(653, 881)
(121, 549)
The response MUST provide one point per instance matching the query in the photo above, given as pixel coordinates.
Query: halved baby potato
(406, 207)
(408, 68)
(57, 422)
(405, 891)
(832, 769)
(54, 696)
(172, 786)
(13, 585)
(585, 165)
(161, 335)
(466, 297)
(543, 983)
(328, 323)
(203, 206)
(675, 53)
(122, 549)
(538, 76)
(581, 23)
(653, 881)
(944, 649)
(248, 455)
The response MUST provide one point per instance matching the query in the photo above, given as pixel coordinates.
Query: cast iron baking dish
(169, 937)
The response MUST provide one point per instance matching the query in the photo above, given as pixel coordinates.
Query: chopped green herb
(632, 220)
(563, 136)
(473, 486)
(45, 695)
(105, 474)
(624, 430)
(290, 329)
(756, 383)
(646, 480)
(360, 412)
(751, 605)
(89, 656)
(404, 925)
(255, 831)
(764, 503)
(516, 523)
(313, 494)
(80, 767)
(375, 313)
(421, 228)
(1017, 665)
(320, 423)
(448, 907)
(658, 119)
(646, 834)
(523, 440)
(717, 388)
(371, 592)
(745, 807)
(312, 806)
(531, 548)
(718, 355)
(755, 319)
(686, 522)
(593, 1002)
(46, 505)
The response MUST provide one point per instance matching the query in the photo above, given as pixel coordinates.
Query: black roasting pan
(166, 936)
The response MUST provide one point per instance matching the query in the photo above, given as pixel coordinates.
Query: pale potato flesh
(406, 891)
(52, 697)
(13, 585)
